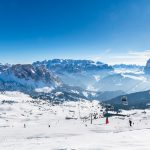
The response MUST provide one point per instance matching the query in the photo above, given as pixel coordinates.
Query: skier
(24, 125)
(130, 122)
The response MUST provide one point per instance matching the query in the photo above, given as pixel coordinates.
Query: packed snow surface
(27, 124)
(45, 89)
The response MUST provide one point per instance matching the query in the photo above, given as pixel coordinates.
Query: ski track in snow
(72, 134)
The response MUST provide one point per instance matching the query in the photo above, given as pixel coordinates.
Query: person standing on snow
(130, 122)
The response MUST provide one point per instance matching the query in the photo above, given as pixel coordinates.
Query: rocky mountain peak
(147, 67)
(73, 66)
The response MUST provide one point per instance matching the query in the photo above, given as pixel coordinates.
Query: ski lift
(124, 100)
(108, 107)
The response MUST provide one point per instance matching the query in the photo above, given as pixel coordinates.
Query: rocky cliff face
(4, 67)
(83, 73)
(27, 76)
(147, 67)
(73, 66)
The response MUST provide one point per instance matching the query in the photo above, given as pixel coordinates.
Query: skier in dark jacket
(130, 122)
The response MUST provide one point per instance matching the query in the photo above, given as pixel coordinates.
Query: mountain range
(68, 79)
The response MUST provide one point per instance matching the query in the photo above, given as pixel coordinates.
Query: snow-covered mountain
(147, 67)
(83, 73)
(127, 82)
(68, 79)
(128, 78)
(40, 82)
(73, 66)
(123, 68)
(26, 78)
(97, 76)
(4, 67)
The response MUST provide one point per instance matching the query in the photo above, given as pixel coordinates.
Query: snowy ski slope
(27, 124)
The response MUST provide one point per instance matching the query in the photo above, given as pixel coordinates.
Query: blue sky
(112, 31)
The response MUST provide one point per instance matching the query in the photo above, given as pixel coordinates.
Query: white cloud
(144, 54)
(44, 89)
(131, 57)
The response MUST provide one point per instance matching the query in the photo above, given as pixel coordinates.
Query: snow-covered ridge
(82, 73)
(14, 96)
(27, 76)
(147, 67)
(73, 66)
(123, 68)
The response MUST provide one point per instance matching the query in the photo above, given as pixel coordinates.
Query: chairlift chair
(108, 107)
(124, 100)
